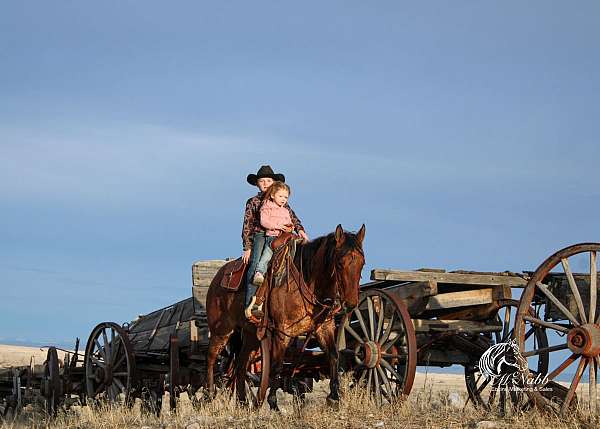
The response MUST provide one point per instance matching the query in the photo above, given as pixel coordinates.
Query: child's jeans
(267, 254)
(258, 244)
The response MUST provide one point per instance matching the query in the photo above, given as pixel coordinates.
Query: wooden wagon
(404, 319)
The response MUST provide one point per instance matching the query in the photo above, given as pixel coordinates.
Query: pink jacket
(273, 217)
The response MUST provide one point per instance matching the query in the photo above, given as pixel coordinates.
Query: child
(275, 218)
(253, 234)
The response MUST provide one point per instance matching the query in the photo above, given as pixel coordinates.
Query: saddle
(233, 275)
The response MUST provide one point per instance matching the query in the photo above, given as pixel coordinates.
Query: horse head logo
(502, 359)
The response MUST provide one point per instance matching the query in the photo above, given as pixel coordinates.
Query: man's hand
(246, 256)
(303, 235)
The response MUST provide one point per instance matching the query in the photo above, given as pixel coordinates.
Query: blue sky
(463, 134)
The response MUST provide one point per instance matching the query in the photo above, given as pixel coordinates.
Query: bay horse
(329, 268)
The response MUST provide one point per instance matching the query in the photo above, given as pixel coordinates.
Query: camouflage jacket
(252, 220)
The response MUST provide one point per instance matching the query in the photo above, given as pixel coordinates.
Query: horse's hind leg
(215, 346)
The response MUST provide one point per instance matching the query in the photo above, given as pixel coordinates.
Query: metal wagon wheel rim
(498, 396)
(377, 341)
(577, 332)
(109, 363)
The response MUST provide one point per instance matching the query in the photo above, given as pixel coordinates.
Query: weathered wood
(455, 278)
(442, 325)
(199, 294)
(414, 295)
(434, 357)
(411, 291)
(460, 299)
(574, 290)
(593, 287)
(204, 271)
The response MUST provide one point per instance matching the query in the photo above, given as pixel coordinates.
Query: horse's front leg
(325, 335)
(278, 347)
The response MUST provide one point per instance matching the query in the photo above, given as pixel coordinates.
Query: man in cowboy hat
(253, 234)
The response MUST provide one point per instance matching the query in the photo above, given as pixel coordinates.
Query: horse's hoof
(273, 405)
(333, 403)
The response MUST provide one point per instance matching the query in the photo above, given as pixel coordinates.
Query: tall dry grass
(425, 408)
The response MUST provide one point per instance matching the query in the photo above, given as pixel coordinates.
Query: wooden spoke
(574, 383)
(119, 385)
(386, 381)
(393, 356)
(106, 346)
(120, 374)
(389, 367)
(593, 387)
(98, 362)
(114, 392)
(506, 325)
(574, 289)
(388, 330)
(593, 287)
(116, 348)
(385, 347)
(100, 348)
(484, 384)
(545, 324)
(120, 361)
(544, 288)
(545, 350)
(99, 389)
(369, 378)
(380, 319)
(353, 333)
(377, 386)
(371, 312)
(562, 367)
(528, 334)
(361, 321)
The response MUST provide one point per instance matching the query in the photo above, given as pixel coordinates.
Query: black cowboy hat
(264, 171)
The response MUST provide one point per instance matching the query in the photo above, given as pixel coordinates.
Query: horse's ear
(360, 236)
(339, 234)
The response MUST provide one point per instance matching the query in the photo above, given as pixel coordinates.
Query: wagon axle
(585, 340)
(368, 354)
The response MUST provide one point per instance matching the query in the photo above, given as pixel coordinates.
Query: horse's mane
(305, 259)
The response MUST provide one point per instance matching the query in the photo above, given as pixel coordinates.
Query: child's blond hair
(276, 186)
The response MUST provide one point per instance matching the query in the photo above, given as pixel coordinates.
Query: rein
(331, 306)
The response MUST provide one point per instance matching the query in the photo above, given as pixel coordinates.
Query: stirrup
(248, 310)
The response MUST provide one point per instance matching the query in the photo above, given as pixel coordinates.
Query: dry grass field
(437, 401)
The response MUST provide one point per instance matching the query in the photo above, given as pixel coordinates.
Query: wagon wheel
(109, 363)
(52, 383)
(492, 393)
(377, 342)
(575, 330)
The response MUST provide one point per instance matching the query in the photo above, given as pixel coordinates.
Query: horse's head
(348, 262)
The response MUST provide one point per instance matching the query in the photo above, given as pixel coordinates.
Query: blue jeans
(258, 244)
(266, 256)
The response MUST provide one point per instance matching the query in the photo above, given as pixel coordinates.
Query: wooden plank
(455, 278)
(414, 290)
(199, 294)
(434, 357)
(460, 299)
(443, 325)
(204, 271)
